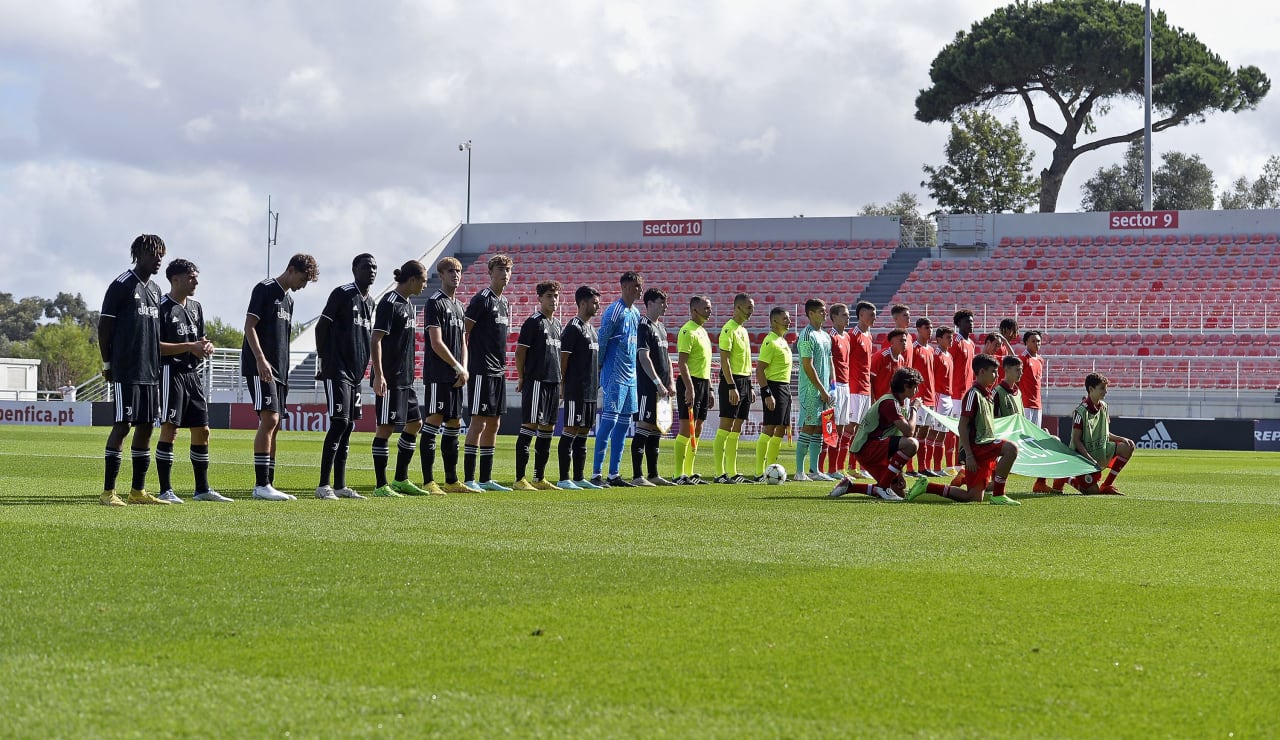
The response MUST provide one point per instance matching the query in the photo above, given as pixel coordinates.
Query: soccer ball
(775, 475)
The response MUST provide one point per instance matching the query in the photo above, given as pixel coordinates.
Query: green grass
(706, 612)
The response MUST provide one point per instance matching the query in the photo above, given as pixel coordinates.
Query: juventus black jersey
(446, 314)
(582, 374)
(487, 347)
(345, 356)
(652, 336)
(181, 323)
(541, 338)
(397, 319)
(135, 335)
(272, 306)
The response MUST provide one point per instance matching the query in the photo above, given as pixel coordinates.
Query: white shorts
(840, 401)
(858, 405)
(1033, 415)
(946, 407)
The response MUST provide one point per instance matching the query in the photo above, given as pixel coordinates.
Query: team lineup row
(152, 347)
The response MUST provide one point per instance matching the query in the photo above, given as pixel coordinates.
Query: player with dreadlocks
(129, 340)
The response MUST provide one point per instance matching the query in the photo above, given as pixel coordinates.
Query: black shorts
(136, 403)
(701, 390)
(647, 409)
(398, 406)
(487, 395)
(344, 399)
(781, 414)
(539, 403)
(728, 410)
(579, 413)
(443, 400)
(182, 399)
(268, 396)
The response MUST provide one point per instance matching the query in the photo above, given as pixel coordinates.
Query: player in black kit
(488, 321)
(395, 329)
(129, 340)
(183, 405)
(580, 368)
(444, 376)
(342, 348)
(653, 385)
(538, 381)
(264, 361)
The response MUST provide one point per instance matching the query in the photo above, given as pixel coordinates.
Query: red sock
(1117, 464)
(951, 443)
(822, 457)
(944, 491)
(1058, 483)
(997, 486)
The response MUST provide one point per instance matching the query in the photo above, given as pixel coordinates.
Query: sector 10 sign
(683, 227)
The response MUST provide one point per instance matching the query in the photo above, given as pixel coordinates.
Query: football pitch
(712, 611)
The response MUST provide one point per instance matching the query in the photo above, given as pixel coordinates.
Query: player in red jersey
(1029, 385)
(902, 320)
(962, 350)
(841, 345)
(923, 360)
(861, 350)
(943, 438)
(887, 360)
(988, 459)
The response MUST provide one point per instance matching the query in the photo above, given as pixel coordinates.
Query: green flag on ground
(1040, 454)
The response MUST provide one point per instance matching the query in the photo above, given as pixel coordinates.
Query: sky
(180, 118)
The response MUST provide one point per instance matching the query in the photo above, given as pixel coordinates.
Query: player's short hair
(838, 308)
(448, 262)
(1026, 336)
(305, 264)
(865, 306)
(585, 293)
(984, 362)
(776, 311)
(1008, 325)
(366, 256)
(630, 276)
(180, 267)
(741, 298)
(548, 286)
(500, 260)
(943, 331)
(408, 271)
(905, 377)
(654, 294)
(1093, 380)
(695, 300)
(963, 313)
(1009, 361)
(898, 308)
(924, 321)
(991, 338)
(897, 333)
(146, 244)
(813, 304)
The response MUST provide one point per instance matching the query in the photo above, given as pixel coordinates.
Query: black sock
(564, 453)
(380, 455)
(261, 469)
(638, 444)
(541, 453)
(449, 454)
(486, 464)
(332, 441)
(428, 452)
(651, 452)
(111, 460)
(522, 450)
(141, 464)
(340, 459)
(404, 455)
(164, 464)
(579, 456)
(469, 455)
(200, 466)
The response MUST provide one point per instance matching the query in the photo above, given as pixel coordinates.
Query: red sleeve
(969, 407)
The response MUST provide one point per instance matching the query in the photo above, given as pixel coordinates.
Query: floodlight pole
(273, 231)
(466, 145)
(1146, 141)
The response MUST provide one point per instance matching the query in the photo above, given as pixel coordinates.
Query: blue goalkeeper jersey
(618, 331)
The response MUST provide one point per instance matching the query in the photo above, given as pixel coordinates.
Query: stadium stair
(893, 274)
